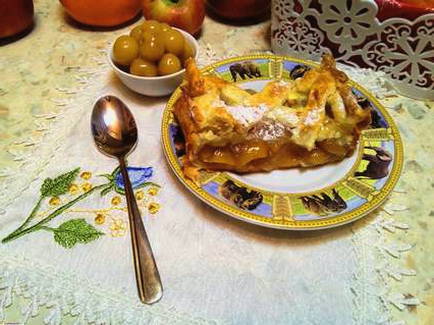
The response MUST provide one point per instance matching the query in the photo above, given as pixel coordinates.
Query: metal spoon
(115, 133)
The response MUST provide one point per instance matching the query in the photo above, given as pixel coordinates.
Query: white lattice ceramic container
(396, 37)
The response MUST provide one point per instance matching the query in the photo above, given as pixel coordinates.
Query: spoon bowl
(115, 133)
(113, 127)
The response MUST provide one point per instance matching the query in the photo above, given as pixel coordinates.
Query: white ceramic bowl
(153, 86)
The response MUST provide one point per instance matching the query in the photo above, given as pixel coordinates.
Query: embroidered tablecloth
(77, 267)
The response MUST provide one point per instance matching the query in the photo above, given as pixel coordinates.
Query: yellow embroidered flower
(99, 219)
(153, 207)
(73, 189)
(118, 227)
(86, 187)
(116, 200)
(86, 175)
(153, 191)
(140, 195)
(54, 200)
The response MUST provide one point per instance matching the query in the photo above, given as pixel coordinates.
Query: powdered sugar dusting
(247, 115)
(312, 117)
(284, 115)
(218, 103)
(268, 130)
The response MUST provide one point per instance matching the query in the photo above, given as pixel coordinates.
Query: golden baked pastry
(311, 121)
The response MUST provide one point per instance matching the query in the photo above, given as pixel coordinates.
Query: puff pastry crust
(310, 121)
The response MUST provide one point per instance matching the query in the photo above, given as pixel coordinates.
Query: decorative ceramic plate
(297, 198)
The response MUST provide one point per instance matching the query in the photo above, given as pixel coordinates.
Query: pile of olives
(152, 49)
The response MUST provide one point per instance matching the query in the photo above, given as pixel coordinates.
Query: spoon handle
(147, 277)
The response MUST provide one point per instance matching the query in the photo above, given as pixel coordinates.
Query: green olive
(140, 67)
(173, 42)
(137, 32)
(151, 48)
(152, 26)
(164, 28)
(168, 64)
(125, 50)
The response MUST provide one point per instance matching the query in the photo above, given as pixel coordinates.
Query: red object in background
(102, 13)
(15, 16)
(409, 9)
(238, 10)
(187, 15)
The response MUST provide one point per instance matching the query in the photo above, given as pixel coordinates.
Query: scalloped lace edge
(62, 293)
(380, 256)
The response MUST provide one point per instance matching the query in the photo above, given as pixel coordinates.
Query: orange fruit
(103, 13)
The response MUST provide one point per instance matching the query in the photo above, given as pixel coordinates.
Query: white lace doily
(214, 269)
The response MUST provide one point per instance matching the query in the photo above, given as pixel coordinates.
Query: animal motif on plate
(298, 71)
(376, 120)
(246, 69)
(240, 196)
(323, 204)
(378, 164)
(178, 140)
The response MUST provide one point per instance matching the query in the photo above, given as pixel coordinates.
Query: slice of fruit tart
(311, 121)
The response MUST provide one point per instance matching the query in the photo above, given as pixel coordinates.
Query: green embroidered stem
(30, 217)
(46, 228)
(40, 225)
